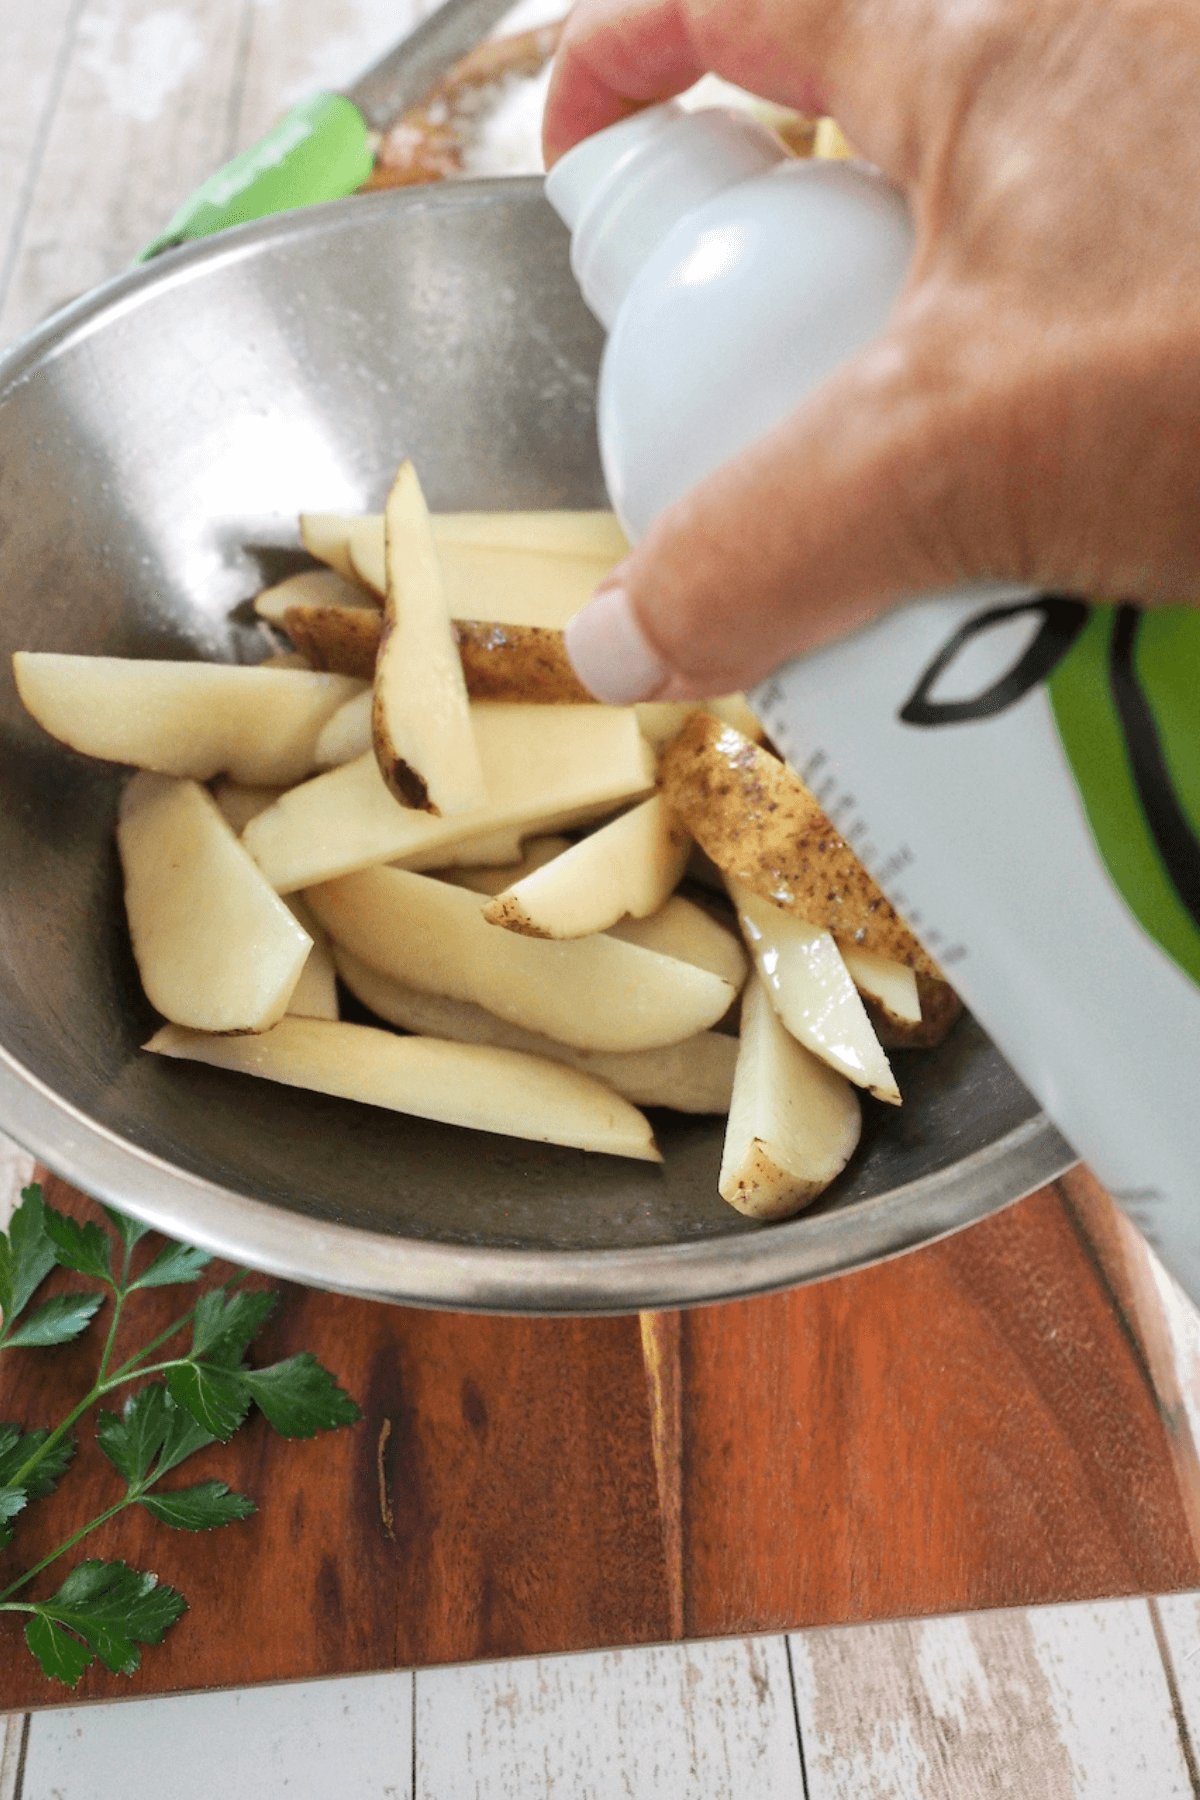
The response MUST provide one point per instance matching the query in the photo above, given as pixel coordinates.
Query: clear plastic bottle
(1019, 771)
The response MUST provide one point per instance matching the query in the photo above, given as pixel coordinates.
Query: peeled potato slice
(681, 928)
(215, 947)
(424, 741)
(537, 852)
(595, 993)
(892, 985)
(347, 734)
(630, 866)
(695, 1076)
(320, 588)
(793, 1122)
(315, 994)
(760, 824)
(596, 535)
(192, 719)
(547, 767)
(327, 537)
(474, 1085)
(811, 990)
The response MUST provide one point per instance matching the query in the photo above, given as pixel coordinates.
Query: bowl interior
(156, 444)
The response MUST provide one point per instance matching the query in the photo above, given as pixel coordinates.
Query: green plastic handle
(320, 150)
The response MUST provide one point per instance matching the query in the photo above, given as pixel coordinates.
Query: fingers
(879, 488)
(617, 55)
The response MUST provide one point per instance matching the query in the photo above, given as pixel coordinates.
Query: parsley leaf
(17, 1446)
(224, 1324)
(63, 1658)
(131, 1441)
(300, 1397)
(12, 1501)
(84, 1248)
(183, 1436)
(27, 1254)
(130, 1229)
(113, 1608)
(58, 1321)
(199, 1508)
(218, 1399)
(174, 1263)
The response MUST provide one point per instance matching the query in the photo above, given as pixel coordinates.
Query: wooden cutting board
(992, 1421)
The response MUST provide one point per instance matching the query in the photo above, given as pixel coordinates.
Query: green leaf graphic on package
(1124, 689)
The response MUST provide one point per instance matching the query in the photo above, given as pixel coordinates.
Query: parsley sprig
(185, 1401)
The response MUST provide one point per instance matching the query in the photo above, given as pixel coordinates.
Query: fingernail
(609, 653)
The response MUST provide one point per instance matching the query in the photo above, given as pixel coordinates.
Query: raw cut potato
(682, 929)
(547, 767)
(793, 1121)
(594, 535)
(474, 1085)
(537, 852)
(347, 735)
(811, 990)
(342, 639)
(318, 588)
(240, 804)
(193, 719)
(760, 824)
(661, 720)
(424, 741)
(315, 994)
(326, 536)
(594, 993)
(891, 985)
(284, 659)
(629, 867)
(518, 662)
(695, 1076)
(941, 1008)
(215, 947)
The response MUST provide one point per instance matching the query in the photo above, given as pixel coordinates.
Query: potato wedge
(627, 868)
(793, 1122)
(595, 993)
(424, 740)
(594, 535)
(240, 804)
(761, 825)
(941, 1010)
(318, 588)
(259, 726)
(315, 994)
(284, 659)
(661, 720)
(535, 854)
(695, 1076)
(811, 990)
(327, 537)
(342, 639)
(518, 662)
(474, 1085)
(891, 985)
(215, 947)
(346, 735)
(682, 929)
(547, 767)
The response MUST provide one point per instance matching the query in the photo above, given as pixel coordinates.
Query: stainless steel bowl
(156, 442)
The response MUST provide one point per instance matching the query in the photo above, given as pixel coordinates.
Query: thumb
(883, 485)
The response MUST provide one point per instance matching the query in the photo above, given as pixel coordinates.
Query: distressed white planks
(303, 47)
(318, 1738)
(35, 39)
(713, 1721)
(1057, 1703)
(142, 118)
(12, 1738)
(1179, 1616)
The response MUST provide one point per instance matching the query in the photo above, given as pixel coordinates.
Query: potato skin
(759, 823)
(941, 1010)
(500, 662)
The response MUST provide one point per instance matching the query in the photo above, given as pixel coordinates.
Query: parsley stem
(100, 1519)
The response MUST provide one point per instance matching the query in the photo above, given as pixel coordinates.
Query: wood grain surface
(975, 1425)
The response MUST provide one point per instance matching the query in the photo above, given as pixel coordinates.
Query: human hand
(1032, 412)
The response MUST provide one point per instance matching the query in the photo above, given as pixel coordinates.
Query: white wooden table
(114, 110)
